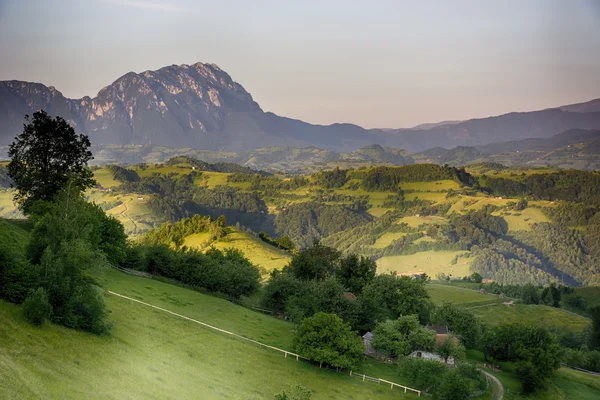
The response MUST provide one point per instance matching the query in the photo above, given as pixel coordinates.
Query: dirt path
(500, 394)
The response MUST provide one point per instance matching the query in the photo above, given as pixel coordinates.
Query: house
(441, 334)
(482, 291)
(509, 303)
(431, 356)
(369, 350)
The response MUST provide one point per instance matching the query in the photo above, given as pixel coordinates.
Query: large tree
(325, 338)
(46, 156)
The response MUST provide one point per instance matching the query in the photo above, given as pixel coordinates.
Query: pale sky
(374, 63)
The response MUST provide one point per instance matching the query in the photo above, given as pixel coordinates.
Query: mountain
(195, 105)
(575, 148)
(481, 131)
(431, 125)
(201, 106)
(587, 107)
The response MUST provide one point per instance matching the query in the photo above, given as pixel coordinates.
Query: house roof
(439, 330)
(368, 335)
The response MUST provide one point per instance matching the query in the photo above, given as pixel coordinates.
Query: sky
(376, 63)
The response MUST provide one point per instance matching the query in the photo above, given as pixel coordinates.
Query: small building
(441, 334)
(349, 296)
(509, 303)
(369, 350)
(426, 355)
(482, 291)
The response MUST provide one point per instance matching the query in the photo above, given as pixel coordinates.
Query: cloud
(164, 5)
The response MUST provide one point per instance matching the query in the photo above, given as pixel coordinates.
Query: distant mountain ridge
(200, 106)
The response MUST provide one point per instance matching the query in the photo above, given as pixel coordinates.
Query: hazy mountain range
(200, 106)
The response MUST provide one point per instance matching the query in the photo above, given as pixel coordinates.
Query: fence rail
(286, 352)
(580, 369)
(378, 381)
(134, 272)
(212, 327)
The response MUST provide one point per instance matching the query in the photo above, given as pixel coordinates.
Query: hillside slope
(151, 354)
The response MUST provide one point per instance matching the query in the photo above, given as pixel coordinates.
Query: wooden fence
(285, 352)
(378, 381)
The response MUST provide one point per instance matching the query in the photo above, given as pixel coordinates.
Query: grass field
(434, 186)
(257, 251)
(154, 355)
(466, 297)
(522, 220)
(386, 239)
(429, 262)
(104, 177)
(537, 315)
(414, 221)
(213, 179)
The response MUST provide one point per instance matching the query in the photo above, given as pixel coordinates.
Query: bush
(36, 307)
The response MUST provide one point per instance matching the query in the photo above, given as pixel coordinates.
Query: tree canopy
(46, 156)
(326, 339)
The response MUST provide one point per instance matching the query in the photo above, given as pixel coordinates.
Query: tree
(535, 349)
(315, 262)
(476, 277)
(594, 335)
(356, 272)
(400, 337)
(46, 156)
(326, 339)
(454, 386)
(391, 296)
(450, 347)
(422, 373)
(530, 294)
(36, 307)
(462, 322)
(551, 296)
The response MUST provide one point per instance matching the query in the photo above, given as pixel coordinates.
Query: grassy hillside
(258, 252)
(539, 315)
(151, 354)
(429, 262)
(490, 309)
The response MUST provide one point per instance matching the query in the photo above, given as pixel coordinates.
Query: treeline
(320, 279)
(123, 174)
(572, 185)
(270, 185)
(331, 179)
(216, 167)
(176, 196)
(284, 242)
(227, 272)
(389, 178)
(175, 233)
(306, 222)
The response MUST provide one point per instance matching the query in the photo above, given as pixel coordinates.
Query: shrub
(36, 307)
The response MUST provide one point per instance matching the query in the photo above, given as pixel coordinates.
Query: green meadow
(154, 355)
